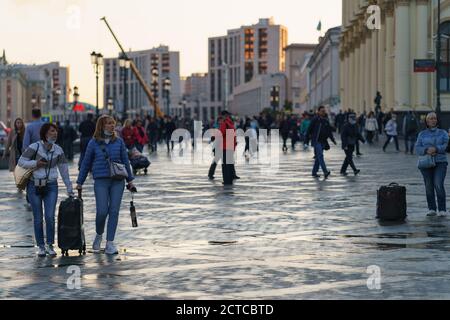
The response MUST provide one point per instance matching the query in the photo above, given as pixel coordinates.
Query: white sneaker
(432, 214)
(111, 248)
(97, 243)
(41, 252)
(50, 251)
(442, 214)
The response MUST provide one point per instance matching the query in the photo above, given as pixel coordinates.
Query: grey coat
(11, 150)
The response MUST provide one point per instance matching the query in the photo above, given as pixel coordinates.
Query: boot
(212, 171)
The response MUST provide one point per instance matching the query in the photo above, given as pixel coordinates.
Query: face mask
(352, 121)
(107, 133)
(51, 141)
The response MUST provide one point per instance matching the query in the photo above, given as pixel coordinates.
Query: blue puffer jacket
(433, 138)
(94, 159)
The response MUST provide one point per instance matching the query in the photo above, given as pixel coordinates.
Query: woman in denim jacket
(434, 141)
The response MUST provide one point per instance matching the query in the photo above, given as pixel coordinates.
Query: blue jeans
(108, 197)
(434, 182)
(49, 201)
(319, 161)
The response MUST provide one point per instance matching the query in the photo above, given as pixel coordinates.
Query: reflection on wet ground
(271, 236)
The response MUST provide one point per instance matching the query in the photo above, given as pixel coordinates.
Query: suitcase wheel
(145, 171)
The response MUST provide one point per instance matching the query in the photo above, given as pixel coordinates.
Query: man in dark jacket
(69, 136)
(350, 136)
(170, 127)
(285, 128)
(319, 132)
(87, 129)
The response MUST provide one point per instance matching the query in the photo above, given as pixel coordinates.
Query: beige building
(13, 97)
(383, 59)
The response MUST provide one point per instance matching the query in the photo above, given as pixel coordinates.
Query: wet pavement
(273, 235)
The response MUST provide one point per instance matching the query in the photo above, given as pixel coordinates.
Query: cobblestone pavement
(271, 236)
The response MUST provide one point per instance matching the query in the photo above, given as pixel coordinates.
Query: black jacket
(350, 135)
(320, 131)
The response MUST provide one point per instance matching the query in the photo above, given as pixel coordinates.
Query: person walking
(13, 147)
(350, 136)
(216, 149)
(319, 132)
(410, 130)
(69, 136)
(391, 132)
(105, 148)
(228, 148)
(33, 129)
(170, 127)
(285, 128)
(141, 136)
(306, 122)
(431, 147)
(47, 158)
(129, 135)
(86, 129)
(152, 133)
(371, 127)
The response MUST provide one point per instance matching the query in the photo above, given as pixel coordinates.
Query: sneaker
(316, 176)
(211, 177)
(327, 174)
(432, 214)
(357, 172)
(41, 251)
(111, 248)
(50, 251)
(97, 243)
(344, 174)
(443, 214)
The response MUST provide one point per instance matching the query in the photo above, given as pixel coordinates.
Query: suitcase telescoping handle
(79, 193)
(394, 184)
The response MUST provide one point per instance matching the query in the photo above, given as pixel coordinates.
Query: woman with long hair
(105, 148)
(13, 148)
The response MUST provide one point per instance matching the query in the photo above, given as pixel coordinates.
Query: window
(263, 67)
(213, 86)
(444, 68)
(263, 43)
(249, 44)
(248, 71)
(213, 53)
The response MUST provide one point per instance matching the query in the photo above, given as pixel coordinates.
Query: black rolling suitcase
(70, 225)
(391, 203)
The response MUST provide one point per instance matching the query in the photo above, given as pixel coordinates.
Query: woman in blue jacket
(433, 141)
(108, 192)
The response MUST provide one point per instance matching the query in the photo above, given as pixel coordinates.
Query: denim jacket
(433, 138)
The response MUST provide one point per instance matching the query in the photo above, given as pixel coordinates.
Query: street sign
(424, 65)
(47, 118)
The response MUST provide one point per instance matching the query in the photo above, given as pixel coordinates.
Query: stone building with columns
(383, 59)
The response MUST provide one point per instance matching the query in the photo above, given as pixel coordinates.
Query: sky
(42, 31)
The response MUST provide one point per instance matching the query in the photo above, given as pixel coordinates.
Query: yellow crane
(136, 72)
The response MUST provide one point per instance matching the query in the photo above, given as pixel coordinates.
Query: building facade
(14, 101)
(252, 98)
(156, 66)
(383, 59)
(324, 72)
(241, 55)
(195, 99)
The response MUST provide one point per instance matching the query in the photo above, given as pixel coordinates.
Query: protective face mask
(107, 133)
(51, 141)
(352, 121)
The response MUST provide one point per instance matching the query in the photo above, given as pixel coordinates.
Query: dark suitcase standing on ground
(71, 226)
(139, 164)
(391, 203)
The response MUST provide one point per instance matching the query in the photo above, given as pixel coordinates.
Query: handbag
(427, 162)
(22, 176)
(117, 171)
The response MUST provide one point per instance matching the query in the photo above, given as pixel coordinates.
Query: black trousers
(348, 159)
(389, 138)
(228, 169)
(247, 144)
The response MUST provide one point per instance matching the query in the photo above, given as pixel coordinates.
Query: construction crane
(136, 72)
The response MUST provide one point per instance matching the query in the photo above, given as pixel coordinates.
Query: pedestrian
(350, 135)
(216, 149)
(60, 141)
(141, 136)
(410, 130)
(284, 131)
(33, 129)
(104, 149)
(86, 129)
(13, 147)
(377, 101)
(169, 127)
(391, 132)
(47, 158)
(339, 121)
(69, 136)
(228, 148)
(319, 132)
(306, 122)
(129, 135)
(152, 133)
(431, 147)
(371, 127)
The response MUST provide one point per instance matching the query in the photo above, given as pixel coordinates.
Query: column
(361, 70)
(373, 69)
(402, 56)
(381, 46)
(421, 49)
(389, 59)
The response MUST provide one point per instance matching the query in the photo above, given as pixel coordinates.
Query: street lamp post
(75, 102)
(110, 106)
(97, 62)
(125, 64)
(167, 88)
